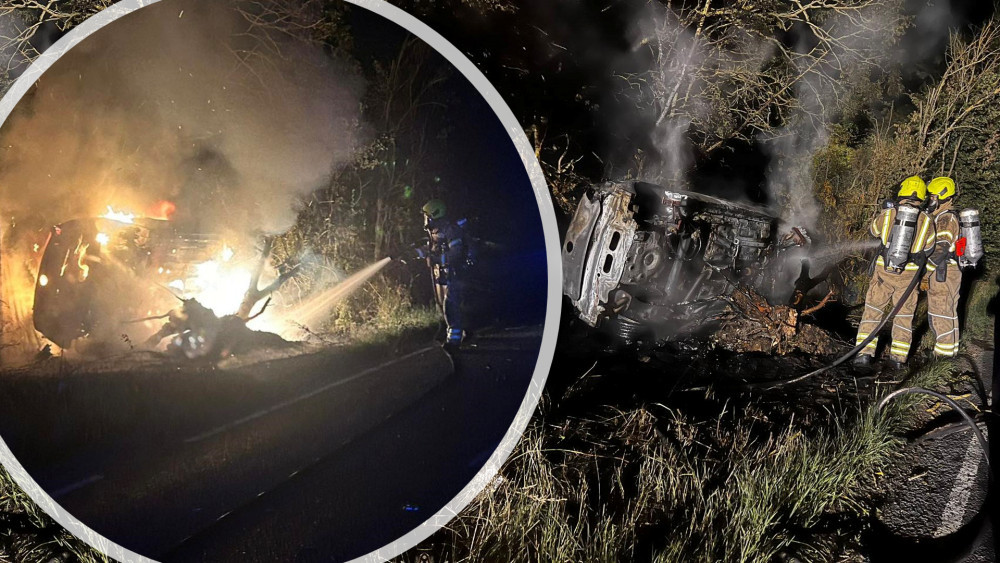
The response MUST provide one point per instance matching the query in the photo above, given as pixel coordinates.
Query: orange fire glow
(162, 209)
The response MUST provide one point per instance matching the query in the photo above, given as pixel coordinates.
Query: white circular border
(552, 248)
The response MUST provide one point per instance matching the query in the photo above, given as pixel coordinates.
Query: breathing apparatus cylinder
(968, 221)
(897, 248)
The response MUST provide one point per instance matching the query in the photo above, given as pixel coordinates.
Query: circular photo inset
(279, 280)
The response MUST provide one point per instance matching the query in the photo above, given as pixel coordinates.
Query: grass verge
(381, 313)
(655, 484)
(28, 535)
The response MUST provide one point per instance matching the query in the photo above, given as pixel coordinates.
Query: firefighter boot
(863, 361)
(895, 365)
(454, 340)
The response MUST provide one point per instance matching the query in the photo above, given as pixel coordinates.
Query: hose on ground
(951, 402)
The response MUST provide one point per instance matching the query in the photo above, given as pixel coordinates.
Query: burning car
(97, 275)
(639, 258)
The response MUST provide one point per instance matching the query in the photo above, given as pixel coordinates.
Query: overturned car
(640, 260)
(98, 275)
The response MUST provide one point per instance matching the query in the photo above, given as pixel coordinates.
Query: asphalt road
(389, 481)
(333, 467)
(937, 502)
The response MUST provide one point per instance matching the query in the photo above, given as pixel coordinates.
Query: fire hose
(868, 339)
(899, 392)
(951, 402)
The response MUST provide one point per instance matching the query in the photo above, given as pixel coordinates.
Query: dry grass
(28, 535)
(655, 484)
(381, 312)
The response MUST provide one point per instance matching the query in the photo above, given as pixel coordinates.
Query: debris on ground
(195, 332)
(751, 324)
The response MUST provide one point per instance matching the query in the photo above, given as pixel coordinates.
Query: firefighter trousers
(942, 311)
(449, 299)
(884, 290)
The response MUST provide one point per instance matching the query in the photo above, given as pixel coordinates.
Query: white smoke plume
(180, 101)
(933, 20)
(864, 44)
(709, 81)
(672, 84)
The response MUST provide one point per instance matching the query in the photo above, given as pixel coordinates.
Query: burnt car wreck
(642, 261)
(97, 273)
(142, 281)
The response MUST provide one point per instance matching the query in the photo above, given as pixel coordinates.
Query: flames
(120, 216)
(162, 210)
(81, 261)
(220, 287)
(218, 280)
(218, 283)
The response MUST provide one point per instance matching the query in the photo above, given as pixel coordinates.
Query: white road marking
(76, 486)
(954, 511)
(300, 398)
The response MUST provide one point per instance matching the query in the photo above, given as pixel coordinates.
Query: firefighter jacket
(887, 288)
(946, 229)
(446, 250)
(923, 239)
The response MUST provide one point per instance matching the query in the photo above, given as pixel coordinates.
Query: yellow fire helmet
(435, 209)
(943, 187)
(913, 186)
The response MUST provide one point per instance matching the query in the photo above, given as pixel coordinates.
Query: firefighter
(943, 278)
(447, 256)
(907, 234)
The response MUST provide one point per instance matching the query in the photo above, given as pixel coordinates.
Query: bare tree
(254, 293)
(481, 6)
(970, 83)
(406, 88)
(725, 70)
(22, 20)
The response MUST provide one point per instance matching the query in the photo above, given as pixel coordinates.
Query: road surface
(937, 503)
(354, 454)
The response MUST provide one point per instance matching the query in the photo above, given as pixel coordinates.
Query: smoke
(181, 101)
(701, 82)
(859, 44)
(677, 54)
(933, 21)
